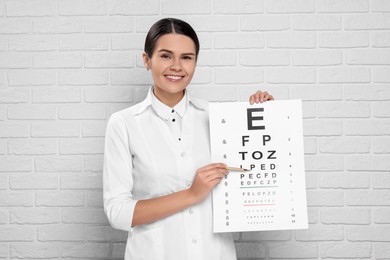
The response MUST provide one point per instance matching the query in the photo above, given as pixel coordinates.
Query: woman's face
(173, 65)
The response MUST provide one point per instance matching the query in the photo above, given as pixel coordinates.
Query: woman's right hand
(206, 178)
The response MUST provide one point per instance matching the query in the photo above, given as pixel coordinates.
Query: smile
(173, 77)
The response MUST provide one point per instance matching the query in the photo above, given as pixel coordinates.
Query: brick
(345, 216)
(3, 112)
(83, 77)
(15, 164)
(310, 145)
(88, 250)
(119, 250)
(60, 198)
(320, 198)
(382, 216)
(3, 146)
(368, 57)
(343, 39)
(346, 250)
(14, 95)
(316, 23)
(317, 92)
(380, 6)
(15, 60)
(86, 7)
(290, 6)
(133, 76)
(82, 146)
(34, 216)
(369, 127)
(316, 58)
(57, 60)
(368, 198)
(186, 7)
(128, 41)
(33, 112)
(264, 58)
(31, 8)
(56, 95)
(250, 250)
(381, 75)
(3, 219)
(207, 24)
(91, 42)
(320, 233)
(380, 39)
(309, 109)
(279, 235)
(55, 129)
(60, 232)
(322, 128)
(343, 110)
(35, 250)
(367, 233)
(33, 181)
(237, 76)
(105, 233)
(82, 181)
(344, 180)
(382, 250)
(239, 40)
(342, 6)
(109, 60)
(217, 58)
(84, 216)
(292, 40)
(344, 75)
(94, 128)
(59, 163)
(32, 77)
(16, 199)
(291, 75)
(381, 180)
(58, 25)
(368, 163)
(94, 199)
(134, 7)
(111, 24)
(14, 129)
(324, 163)
(3, 184)
(288, 250)
(345, 145)
(15, 26)
(93, 163)
(33, 43)
(264, 23)
(367, 22)
(381, 145)
(16, 233)
(82, 111)
(243, 7)
(363, 92)
(23, 146)
(202, 76)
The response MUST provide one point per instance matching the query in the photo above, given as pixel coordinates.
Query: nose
(175, 65)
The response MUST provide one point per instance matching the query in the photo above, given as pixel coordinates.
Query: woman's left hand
(260, 97)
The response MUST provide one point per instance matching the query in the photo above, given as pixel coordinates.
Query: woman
(157, 171)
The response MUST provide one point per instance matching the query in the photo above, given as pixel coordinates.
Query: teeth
(174, 77)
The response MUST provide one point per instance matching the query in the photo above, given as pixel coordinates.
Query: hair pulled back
(166, 26)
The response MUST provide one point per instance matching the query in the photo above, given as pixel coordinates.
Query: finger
(212, 166)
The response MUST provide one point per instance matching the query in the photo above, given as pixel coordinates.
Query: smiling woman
(157, 172)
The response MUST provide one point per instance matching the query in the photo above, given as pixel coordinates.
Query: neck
(170, 100)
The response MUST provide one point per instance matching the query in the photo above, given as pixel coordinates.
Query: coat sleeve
(119, 204)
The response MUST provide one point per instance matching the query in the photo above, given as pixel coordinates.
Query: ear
(146, 60)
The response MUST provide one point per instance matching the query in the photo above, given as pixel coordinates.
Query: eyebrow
(165, 50)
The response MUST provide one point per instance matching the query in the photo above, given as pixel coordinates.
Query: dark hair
(166, 26)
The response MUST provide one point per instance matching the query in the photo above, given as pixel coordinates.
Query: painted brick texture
(67, 65)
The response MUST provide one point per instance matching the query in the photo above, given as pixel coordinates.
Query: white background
(66, 65)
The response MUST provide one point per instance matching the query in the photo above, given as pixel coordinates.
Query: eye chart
(267, 140)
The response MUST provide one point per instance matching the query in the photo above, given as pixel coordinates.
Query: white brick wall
(66, 65)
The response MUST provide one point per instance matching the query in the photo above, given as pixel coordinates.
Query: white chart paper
(267, 139)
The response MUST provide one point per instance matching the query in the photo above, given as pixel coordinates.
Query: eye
(165, 56)
(187, 57)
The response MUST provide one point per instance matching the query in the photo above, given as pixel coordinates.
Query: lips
(174, 77)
